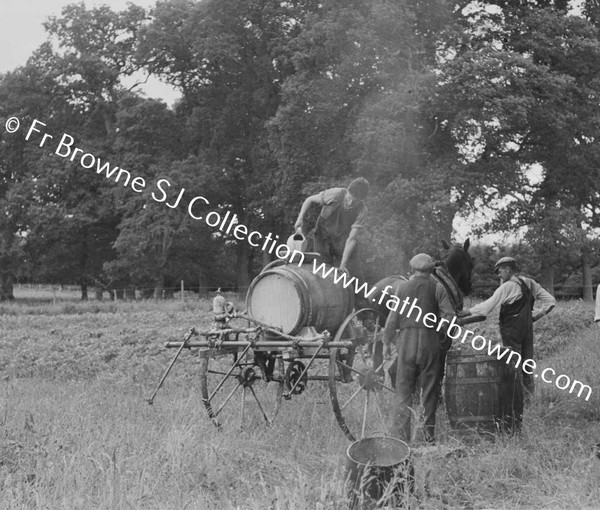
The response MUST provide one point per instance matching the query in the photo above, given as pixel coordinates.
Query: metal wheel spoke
(226, 400)
(380, 412)
(235, 365)
(391, 390)
(221, 378)
(259, 405)
(342, 364)
(242, 403)
(276, 412)
(353, 377)
(380, 384)
(364, 421)
(351, 398)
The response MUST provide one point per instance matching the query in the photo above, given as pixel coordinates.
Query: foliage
(518, 96)
(443, 106)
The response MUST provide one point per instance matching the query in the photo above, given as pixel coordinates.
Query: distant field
(38, 293)
(77, 432)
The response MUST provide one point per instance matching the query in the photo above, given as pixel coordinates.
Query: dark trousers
(331, 252)
(511, 399)
(418, 367)
(444, 348)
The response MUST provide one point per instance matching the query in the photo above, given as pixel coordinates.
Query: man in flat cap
(343, 216)
(415, 329)
(516, 297)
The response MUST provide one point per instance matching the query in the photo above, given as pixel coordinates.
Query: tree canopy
(444, 106)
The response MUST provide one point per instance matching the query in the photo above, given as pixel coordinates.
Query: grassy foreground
(76, 432)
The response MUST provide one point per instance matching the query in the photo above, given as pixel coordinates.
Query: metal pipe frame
(265, 344)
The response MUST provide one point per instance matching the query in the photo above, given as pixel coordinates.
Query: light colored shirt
(510, 291)
(336, 219)
(597, 310)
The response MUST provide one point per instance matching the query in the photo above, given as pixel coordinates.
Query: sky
(21, 32)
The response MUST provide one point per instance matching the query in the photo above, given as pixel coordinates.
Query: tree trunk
(586, 272)
(242, 260)
(83, 265)
(159, 287)
(130, 293)
(547, 276)
(6, 287)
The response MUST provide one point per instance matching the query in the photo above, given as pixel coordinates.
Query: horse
(453, 272)
(460, 265)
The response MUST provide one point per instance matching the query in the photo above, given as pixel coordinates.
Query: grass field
(76, 431)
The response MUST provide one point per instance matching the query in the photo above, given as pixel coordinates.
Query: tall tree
(519, 98)
(159, 244)
(28, 93)
(223, 55)
(94, 54)
(355, 106)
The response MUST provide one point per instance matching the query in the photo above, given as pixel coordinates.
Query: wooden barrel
(472, 390)
(291, 297)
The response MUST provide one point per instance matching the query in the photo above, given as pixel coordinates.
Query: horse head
(459, 264)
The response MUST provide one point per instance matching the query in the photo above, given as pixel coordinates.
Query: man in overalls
(516, 297)
(342, 217)
(418, 344)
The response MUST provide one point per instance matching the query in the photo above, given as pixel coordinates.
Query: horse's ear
(445, 245)
(466, 245)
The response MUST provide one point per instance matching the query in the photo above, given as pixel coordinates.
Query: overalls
(516, 330)
(418, 360)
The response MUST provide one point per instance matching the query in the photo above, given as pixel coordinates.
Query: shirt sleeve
(391, 324)
(597, 314)
(361, 219)
(502, 295)
(331, 195)
(446, 310)
(542, 296)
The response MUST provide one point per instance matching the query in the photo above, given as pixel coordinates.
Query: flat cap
(509, 261)
(422, 262)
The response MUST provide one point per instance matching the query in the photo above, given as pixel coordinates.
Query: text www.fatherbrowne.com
(453, 330)
(66, 149)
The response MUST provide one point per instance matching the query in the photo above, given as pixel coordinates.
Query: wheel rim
(227, 382)
(360, 389)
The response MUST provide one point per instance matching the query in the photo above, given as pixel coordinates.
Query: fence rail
(58, 293)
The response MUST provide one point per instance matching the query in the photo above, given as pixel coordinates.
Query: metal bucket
(378, 471)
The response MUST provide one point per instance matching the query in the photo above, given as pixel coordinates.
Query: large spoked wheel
(250, 382)
(359, 384)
